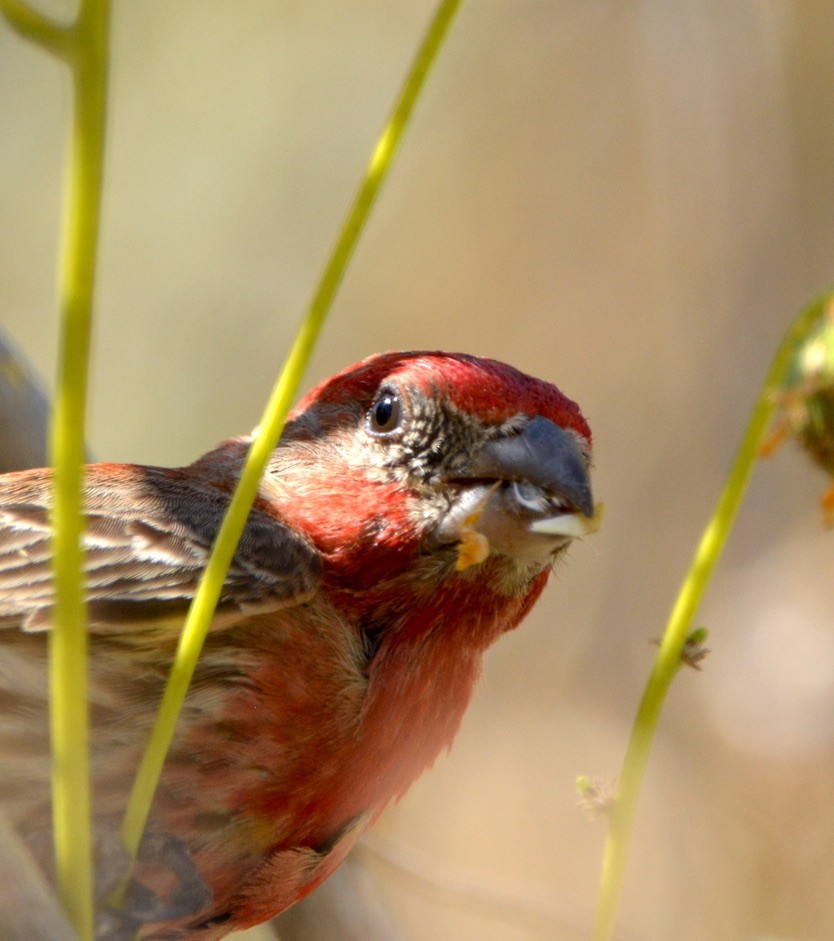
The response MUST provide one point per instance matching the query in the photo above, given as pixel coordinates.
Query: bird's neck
(422, 677)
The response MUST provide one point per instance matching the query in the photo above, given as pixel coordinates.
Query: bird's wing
(148, 535)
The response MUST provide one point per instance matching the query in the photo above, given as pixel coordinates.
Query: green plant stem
(269, 430)
(38, 28)
(668, 659)
(83, 45)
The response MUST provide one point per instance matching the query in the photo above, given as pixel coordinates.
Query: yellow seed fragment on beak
(572, 525)
(473, 549)
(595, 522)
(474, 546)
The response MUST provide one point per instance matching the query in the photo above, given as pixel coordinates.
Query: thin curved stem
(269, 430)
(668, 659)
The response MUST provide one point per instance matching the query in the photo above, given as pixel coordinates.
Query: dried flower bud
(694, 650)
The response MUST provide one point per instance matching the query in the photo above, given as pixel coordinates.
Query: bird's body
(349, 635)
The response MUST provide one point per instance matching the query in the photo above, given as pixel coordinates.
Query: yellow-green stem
(269, 430)
(668, 659)
(83, 45)
(38, 28)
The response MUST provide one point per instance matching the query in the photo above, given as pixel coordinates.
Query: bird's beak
(543, 455)
(526, 494)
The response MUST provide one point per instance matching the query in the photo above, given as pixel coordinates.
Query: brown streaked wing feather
(148, 537)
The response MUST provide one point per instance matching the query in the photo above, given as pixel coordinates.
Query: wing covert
(148, 537)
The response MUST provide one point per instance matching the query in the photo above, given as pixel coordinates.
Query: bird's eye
(386, 414)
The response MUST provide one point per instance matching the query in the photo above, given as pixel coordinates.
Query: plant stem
(84, 46)
(37, 28)
(269, 430)
(668, 657)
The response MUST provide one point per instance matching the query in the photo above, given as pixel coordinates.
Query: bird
(409, 515)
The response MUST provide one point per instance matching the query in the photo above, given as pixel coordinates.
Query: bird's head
(458, 452)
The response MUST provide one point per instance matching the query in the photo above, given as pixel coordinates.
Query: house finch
(409, 516)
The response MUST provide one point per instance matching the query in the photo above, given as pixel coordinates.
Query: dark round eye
(386, 413)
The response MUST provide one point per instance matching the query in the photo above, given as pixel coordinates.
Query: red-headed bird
(409, 516)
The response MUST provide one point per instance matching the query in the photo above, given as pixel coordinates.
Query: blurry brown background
(629, 199)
